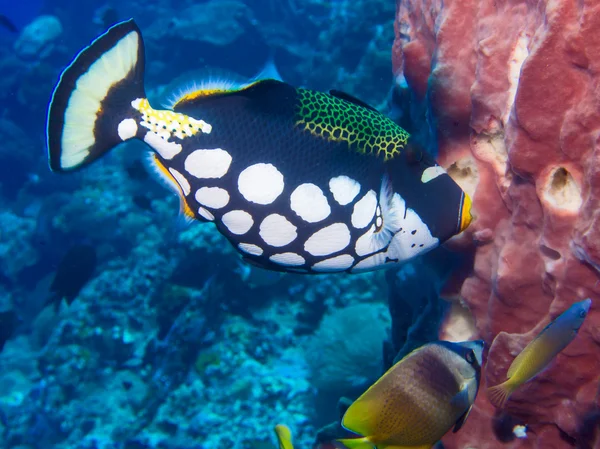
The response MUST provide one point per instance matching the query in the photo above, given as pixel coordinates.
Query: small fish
(538, 354)
(9, 321)
(74, 271)
(297, 180)
(284, 436)
(8, 24)
(418, 400)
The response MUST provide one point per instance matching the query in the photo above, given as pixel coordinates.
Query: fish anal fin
(350, 98)
(357, 443)
(460, 421)
(364, 443)
(168, 177)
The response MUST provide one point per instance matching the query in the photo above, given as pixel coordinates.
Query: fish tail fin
(284, 436)
(93, 105)
(357, 443)
(499, 394)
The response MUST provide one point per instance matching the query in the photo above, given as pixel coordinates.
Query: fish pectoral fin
(460, 421)
(461, 399)
(357, 443)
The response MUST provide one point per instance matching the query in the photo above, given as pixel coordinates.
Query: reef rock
(513, 88)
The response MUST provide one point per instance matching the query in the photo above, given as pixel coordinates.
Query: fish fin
(270, 92)
(168, 177)
(460, 421)
(499, 394)
(284, 436)
(91, 110)
(269, 70)
(357, 443)
(202, 83)
(350, 98)
(214, 83)
(461, 399)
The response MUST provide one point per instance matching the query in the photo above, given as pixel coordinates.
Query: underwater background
(166, 339)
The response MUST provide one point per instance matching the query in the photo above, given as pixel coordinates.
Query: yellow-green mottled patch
(365, 131)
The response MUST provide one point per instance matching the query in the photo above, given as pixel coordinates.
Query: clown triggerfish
(297, 180)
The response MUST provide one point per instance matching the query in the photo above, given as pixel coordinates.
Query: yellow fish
(538, 354)
(284, 436)
(419, 399)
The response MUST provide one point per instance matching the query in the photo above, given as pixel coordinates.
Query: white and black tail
(91, 109)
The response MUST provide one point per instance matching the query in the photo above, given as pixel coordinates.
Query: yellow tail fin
(499, 394)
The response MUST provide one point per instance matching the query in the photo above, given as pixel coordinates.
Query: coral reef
(512, 91)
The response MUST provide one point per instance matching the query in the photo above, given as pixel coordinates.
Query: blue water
(173, 342)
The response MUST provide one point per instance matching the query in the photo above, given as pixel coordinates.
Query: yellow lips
(465, 213)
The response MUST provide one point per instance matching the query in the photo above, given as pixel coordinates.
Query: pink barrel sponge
(514, 88)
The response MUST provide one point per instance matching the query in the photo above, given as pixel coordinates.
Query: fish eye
(582, 314)
(470, 357)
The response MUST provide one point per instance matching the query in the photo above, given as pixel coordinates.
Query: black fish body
(297, 180)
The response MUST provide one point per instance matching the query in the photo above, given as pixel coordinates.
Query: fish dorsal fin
(352, 99)
(460, 421)
(200, 84)
(216, 90)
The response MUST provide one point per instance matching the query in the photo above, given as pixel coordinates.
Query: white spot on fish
(206, 214)
(364, 210)
(344, 189)
(431, 173)
(337, 263)
(290, 259)
(183, 183)
(251, 249)
(213, 197)
(237, 221)
(277, 231)
(328, 240)
(206, 164)
(127, 129)
(308, 201)
(167, 150)
(260, 183)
